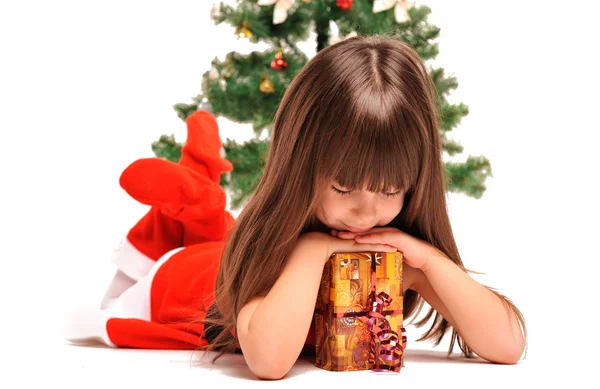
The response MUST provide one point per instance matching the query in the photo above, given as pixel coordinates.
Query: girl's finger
(384, 248)
(346, 235)
(375, 247)
(373, 238)
(377, 239)
(351, 234)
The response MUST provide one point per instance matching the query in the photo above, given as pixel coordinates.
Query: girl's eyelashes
(398, 193)
(347, 192)
(341, 192)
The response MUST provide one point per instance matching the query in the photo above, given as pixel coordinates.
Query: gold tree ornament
(227, 70)
(280, 13)
(401, 8)
(244, 31)
(266, 86)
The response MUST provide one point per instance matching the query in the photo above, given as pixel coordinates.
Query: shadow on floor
(234, 365)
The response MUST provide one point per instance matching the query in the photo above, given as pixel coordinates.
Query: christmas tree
(248, 88)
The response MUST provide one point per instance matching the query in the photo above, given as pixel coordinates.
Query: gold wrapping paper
(345, 343)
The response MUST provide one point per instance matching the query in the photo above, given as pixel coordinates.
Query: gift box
(358, 315)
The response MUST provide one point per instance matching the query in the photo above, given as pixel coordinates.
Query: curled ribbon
(386, 354)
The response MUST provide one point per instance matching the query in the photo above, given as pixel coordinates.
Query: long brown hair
(363, 112)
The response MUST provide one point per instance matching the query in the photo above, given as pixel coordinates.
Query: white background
(87, 86)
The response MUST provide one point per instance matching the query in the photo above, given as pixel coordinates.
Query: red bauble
(279, 64)
(344, 5)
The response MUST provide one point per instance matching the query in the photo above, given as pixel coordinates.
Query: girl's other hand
(416, 252)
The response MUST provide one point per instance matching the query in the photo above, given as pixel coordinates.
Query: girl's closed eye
(348, 192)
(341, 192)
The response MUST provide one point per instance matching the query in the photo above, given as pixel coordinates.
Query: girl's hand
(416, 252)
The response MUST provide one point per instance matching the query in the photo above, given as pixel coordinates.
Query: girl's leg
(188, 204)
(163, 310)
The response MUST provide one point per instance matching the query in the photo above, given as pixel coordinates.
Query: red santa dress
(168, 262)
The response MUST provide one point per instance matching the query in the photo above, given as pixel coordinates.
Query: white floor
(101, 367)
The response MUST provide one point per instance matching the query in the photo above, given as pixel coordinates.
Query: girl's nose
(364, 211)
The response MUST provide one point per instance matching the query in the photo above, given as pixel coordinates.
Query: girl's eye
(394, 194)
(345, 193)
(341, 192)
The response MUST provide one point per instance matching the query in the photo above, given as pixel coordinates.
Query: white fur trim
(119, 284)
(84, 327)
(134, 303)
(132, 261)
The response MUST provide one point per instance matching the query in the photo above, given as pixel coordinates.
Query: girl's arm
(272, 329)
(490, 329)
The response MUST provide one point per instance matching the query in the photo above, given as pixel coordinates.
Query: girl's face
(358, 210)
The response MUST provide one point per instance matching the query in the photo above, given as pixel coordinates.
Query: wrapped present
(359, 313)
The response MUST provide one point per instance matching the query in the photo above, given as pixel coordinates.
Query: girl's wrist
(432, 262)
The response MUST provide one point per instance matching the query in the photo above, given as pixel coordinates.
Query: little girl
(355, 164)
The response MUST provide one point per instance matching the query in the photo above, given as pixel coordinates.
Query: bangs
(370, 126)
(372, 154)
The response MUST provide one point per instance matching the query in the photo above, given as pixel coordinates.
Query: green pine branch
(468, 177)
